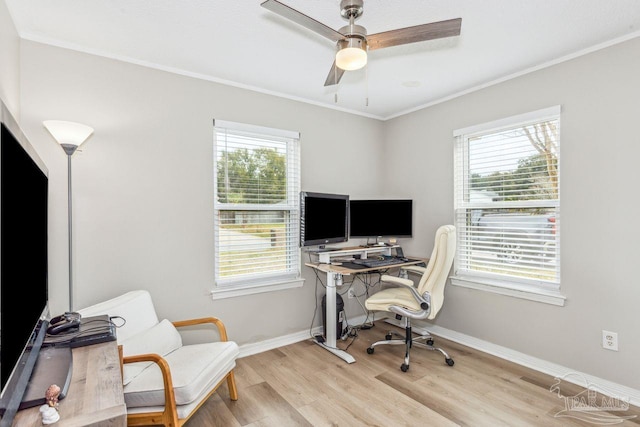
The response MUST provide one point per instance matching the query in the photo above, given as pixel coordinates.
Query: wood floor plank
(214, 412)
(294, 378)
(366, 401)
(260, 405)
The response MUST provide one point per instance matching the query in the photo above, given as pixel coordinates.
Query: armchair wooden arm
(203, 320)
(168, 417)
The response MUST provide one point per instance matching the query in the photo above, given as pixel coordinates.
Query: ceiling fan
(352, 41)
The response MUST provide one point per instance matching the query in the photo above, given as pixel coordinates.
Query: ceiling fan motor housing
(352, 41)
(355, 36)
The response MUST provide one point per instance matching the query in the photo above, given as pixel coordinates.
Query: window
(256, 207)
(507, 206)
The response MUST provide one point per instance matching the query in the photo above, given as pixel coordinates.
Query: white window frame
(529, 289)
(266, 282)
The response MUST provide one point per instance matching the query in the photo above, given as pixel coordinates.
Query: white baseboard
(270, 344)
(567, 374)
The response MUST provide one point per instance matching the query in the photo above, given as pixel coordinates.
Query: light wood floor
(304, 385)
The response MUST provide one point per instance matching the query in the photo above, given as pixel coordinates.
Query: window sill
(256, 288)
(516, 290)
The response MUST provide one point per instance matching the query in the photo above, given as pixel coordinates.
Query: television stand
(54, 366)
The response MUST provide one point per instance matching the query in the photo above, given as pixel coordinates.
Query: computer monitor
(324, 218)
(381, 218)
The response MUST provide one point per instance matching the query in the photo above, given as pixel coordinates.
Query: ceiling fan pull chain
(366, 84)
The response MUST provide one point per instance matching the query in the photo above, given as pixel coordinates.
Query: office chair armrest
(424, 301)
(397, 280)
(414, 269)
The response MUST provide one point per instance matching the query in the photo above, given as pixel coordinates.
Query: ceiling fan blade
(302, 19)
(335, 74)
(418, 33)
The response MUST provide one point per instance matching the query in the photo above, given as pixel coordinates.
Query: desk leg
(333, 280)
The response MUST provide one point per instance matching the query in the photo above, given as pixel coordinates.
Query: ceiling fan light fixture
(352, 54)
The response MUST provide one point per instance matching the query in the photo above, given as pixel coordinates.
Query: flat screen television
(23, 263)
(324, 218)
(381, 218)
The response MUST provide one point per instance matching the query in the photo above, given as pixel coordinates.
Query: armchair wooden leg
(231, 383)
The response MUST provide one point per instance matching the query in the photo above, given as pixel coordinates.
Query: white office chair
(423, 301)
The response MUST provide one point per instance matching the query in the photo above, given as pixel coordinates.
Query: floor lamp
(69, 135)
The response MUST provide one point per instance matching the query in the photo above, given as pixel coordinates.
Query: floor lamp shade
(70, 136)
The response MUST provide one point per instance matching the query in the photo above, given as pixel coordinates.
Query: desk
(334, 279)
(95, 396)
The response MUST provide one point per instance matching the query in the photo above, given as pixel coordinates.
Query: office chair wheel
(449, 362)
(388, 337)
(404, 367)
(370, 350)
(430, 341)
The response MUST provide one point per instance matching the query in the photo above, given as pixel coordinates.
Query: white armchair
(165, 382)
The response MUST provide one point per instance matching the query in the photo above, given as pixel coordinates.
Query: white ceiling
(239, 42)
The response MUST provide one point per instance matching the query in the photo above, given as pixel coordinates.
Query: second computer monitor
(381, 218)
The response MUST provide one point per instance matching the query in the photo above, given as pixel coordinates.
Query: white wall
(9, 62)
(143, 183)
(600, 147)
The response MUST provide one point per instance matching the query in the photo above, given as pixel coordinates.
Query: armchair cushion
(161, 339)
(194, 370)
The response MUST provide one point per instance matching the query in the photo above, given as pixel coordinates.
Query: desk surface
(95, 396)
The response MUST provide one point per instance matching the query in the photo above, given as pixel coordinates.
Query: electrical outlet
(610, 340)
(351, 293)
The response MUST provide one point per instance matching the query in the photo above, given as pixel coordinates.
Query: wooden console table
(95, 396)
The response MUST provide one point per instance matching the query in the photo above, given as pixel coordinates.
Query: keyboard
(373, 263)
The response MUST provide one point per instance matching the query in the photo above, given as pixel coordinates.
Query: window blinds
(507, 202)
(256, 188)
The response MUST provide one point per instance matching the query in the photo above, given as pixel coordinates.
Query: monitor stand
(54, 366)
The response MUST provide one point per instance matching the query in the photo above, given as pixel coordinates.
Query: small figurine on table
(49, 411)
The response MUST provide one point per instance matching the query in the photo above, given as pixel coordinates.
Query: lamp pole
(69, 135)
(70, 149)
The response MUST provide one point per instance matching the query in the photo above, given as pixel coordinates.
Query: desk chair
(417, 302)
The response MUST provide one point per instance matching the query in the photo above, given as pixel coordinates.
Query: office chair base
(428, 345)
